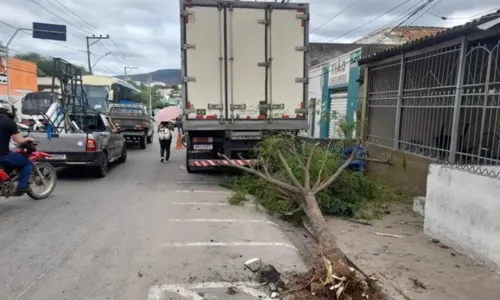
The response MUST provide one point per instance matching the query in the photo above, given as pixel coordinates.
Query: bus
(102, 90)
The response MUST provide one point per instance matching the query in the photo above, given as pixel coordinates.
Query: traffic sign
(45, 31)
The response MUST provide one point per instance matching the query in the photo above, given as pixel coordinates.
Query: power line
(74, 14)
(47, 41)
(463, 18)
(336, 15)
(58, 16)
(370, 21)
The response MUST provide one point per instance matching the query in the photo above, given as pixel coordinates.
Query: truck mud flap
(208, 163)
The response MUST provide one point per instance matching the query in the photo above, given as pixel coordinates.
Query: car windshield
(124, 110)
(37, 103)
(97, 96)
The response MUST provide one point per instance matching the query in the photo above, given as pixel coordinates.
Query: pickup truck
(134, 121)
(99, 144)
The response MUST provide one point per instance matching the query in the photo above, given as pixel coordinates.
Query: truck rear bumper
(207, 163)
(204, 125)
(87, 159)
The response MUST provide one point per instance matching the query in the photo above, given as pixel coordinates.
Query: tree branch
(337, 173)
(269, 179)
(296, 153)
(307, 175)
(294, 179)
(318, 181)
(379, 161)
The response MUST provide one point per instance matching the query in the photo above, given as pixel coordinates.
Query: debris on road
(268, 273)
(275, 295)
(389, 235)
(253, 264)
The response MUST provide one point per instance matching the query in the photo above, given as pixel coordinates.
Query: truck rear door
(245, 62)
(266, 50)
(204, 65)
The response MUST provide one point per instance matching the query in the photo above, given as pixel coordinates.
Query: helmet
(7, 109)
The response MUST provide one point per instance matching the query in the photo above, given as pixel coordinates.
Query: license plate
(57, 157)
(202, 147)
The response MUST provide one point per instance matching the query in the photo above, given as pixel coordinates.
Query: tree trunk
(325, 238)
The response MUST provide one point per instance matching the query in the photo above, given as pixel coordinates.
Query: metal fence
(442, 104)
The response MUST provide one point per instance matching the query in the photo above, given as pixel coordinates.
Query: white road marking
(157, 292)
(203, 191)
(211, 203)
(229, 244)
(223, 221)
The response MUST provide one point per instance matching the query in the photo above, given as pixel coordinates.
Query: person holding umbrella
(165, 137)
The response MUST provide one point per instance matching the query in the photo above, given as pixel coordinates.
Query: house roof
(431, 38)
(412, 33)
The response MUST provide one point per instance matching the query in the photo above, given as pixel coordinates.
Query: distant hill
(168, 76)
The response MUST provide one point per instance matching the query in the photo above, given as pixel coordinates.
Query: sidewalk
(413, 266)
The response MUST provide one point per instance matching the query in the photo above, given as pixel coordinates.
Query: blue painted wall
(352, 87)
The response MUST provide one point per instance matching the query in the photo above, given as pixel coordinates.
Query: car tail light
(27, 122)
(91, 145)
(138, 127)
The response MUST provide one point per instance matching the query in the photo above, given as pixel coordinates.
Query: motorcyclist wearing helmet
(8, 130)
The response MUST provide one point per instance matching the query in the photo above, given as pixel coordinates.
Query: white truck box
(244, 65)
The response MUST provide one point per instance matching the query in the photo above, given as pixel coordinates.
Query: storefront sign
(339, 70)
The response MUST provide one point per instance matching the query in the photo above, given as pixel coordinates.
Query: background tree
(45, 65)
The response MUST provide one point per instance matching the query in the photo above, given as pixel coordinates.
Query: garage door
(338, 105)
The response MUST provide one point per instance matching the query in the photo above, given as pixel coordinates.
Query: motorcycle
(43, 174)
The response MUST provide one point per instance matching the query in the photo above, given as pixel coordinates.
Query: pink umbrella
(168, 114)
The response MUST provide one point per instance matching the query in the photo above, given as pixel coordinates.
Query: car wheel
(102, 169)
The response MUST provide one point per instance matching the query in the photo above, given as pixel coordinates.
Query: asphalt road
(146, 231)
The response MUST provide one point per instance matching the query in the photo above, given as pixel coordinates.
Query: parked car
(134, 121)
(100, 143)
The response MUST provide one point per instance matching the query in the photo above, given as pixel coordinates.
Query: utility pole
(125, 71)
(150, 94)
(96, 39)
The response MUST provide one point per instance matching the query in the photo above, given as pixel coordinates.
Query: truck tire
(142, 142)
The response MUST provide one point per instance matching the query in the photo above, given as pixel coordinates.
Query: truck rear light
(261, 117)
(212, 117)
(302, 22)
(199, 117)
(300, 117)
(286, 116)
(91, 145)
(203, 140)
(302, 105)
(188, 105)
(249, 117)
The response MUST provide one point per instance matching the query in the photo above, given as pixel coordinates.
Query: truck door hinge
(302, 16)
(187, 13)
(302, 49)
(188, 46)
(302, 80)
(263, 64)
(238, 107)
(264, 22)
(189, 79)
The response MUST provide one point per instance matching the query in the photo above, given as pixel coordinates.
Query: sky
(145, 34)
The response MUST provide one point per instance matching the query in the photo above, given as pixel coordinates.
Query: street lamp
(100, 59)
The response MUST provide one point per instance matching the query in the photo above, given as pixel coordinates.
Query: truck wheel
(123, 156)
(102, 169)
(142, 143)
(150, 139)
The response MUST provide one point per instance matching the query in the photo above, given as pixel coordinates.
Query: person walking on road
(165, 136)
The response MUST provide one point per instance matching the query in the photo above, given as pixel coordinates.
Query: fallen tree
(303, 171)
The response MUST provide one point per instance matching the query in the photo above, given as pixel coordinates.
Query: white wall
(315, 91)
(462, 210)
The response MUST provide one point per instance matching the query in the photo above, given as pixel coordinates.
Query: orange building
(22, 78)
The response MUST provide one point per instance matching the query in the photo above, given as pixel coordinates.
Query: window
(37, 103)
(97, 96)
